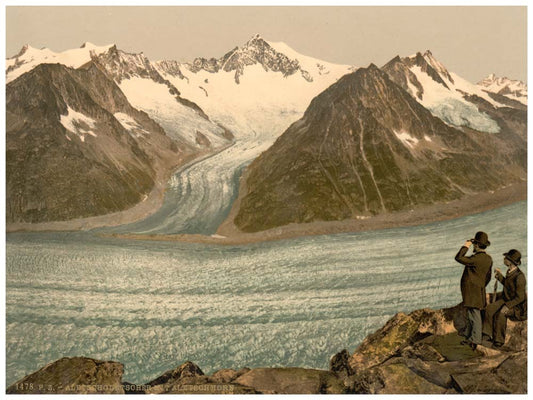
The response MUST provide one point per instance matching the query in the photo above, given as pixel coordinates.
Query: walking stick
(495, 289)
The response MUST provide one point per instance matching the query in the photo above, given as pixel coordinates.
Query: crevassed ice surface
(199, 196)
(155, 305)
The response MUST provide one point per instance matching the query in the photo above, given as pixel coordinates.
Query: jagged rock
(291, 380)
(516, 336)
(75, 375)
(478, 383)
(366, 381)
(385, 343)
(422, 353)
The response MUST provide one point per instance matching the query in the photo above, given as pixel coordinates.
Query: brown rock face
(76, 375)
(69, 156)
(365, 147)
(422, 353)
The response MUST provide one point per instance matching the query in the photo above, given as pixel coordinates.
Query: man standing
(511, 303)
(476, 276)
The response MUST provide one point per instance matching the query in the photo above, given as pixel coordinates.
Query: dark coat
(476, 276)
(514, 293)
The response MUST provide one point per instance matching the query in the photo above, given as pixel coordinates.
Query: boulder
(72, 375)
(292, 381)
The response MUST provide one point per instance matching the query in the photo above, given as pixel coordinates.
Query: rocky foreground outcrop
(413, 353)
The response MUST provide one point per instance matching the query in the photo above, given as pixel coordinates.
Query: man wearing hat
(476, 276)
(511, 303)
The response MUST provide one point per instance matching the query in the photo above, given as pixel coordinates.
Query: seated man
(511, 303)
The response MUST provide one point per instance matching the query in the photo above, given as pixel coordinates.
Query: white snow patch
(406, 138)
(427, 138)
(130, 124)
(78, 123)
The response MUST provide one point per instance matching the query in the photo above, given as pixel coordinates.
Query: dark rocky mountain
(255, 51)
(75, 147)
(365, 146)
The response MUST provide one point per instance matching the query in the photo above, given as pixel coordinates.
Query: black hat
(481, 238)
(514, 256)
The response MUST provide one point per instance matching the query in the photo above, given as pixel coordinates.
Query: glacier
(154, 305)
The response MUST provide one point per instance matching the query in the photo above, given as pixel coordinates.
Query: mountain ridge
(364, 146)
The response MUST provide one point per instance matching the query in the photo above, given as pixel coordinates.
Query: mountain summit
(254, 51)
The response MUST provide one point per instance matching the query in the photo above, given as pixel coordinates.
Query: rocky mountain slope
(418, 353)
(365, 146)
(75, 147)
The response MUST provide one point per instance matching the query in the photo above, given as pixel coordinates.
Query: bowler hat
(481, 238)
(514, 256)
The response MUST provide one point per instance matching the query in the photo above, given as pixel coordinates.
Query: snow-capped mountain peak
(254, 51)
(513, 89)
(271, 56)
(442, 92)
(437, 66)
(29, 57)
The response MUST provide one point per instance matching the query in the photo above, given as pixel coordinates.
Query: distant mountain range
(90, 131)
(513, 89)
